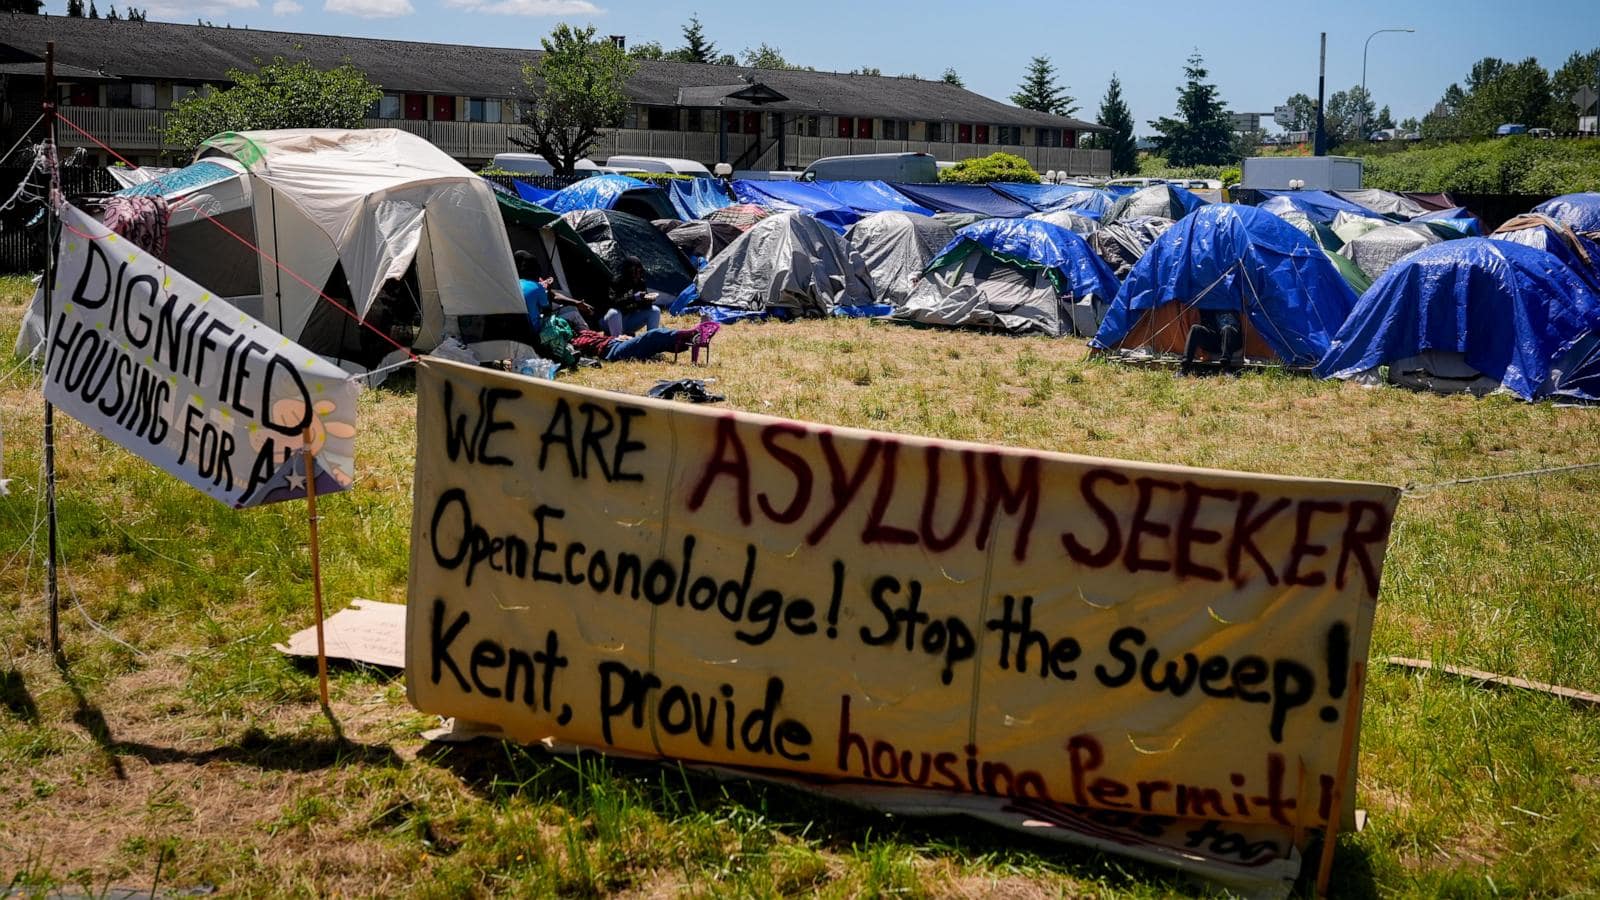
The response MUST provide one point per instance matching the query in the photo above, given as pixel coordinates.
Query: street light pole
(1361, 130)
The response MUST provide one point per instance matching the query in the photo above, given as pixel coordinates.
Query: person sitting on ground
(599, 345)
(633, 304)
(1219, 335)
(540, 295)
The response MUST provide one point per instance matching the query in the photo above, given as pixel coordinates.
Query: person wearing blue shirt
(540, 296)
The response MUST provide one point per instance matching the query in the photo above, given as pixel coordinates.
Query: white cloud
(370, 9)
(528, 7)
(177, 12)
(286, 8)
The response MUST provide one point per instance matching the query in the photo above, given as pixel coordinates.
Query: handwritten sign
(1151, 659)
(154, 362)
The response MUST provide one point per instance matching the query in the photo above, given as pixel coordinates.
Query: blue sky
(1259, 51)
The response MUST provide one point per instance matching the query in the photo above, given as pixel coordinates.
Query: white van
(534, 164)
(914, 168)
(665, 164)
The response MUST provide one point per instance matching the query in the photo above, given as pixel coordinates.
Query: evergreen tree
(696, 47)
(135, 14)
(1201, 134)
(1384, 120)
(112, 15)
(21, 6)
(951, 76)
(93, 13)
(1039, 91)
(1578, 72)
(1115, 115)
(75, 8)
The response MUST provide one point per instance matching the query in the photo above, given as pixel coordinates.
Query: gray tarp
(1377, 250)
(699, 237)
(787, 262)
(984, 292)
(896, 247)
(1122, 244)
(1384, 203)
(1083, 226)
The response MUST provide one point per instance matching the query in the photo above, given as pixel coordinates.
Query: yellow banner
(1149, 654)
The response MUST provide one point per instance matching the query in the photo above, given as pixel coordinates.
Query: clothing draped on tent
(788, 265)
(694, 197)
(964, 198)
(1509, 312)
(742, 216)
(1227, 257)
(1015, 275)
(896, 247)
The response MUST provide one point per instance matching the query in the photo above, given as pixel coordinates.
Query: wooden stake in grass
(1347, 743)
(316, 563)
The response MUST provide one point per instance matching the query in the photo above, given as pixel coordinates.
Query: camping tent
(1320, 206)
(630, 195)
(1015, 275)
(960, 220)
(1388, 204)
(1349, 227)
(896, 247)
(700, 241)
(964, 198)
(788, 265)
(1472, 314)
(1375, 251)
(1325, 237)
(694, 197)
(1122, 244)
(1163, 200)
(560, 251)
(349, 212)
(615, 235)
(742, 216)
(1080, 225)
(1230, 257)
(1544, 233)
(1458, 219)
(1580, 212)
(797, 196)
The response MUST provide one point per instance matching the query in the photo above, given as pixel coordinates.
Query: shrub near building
(994, 167)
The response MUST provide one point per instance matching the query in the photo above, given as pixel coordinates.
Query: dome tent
(350, 212)
(1230, 257)
(619, 192)
(559, 250)
(1376, 250)
(1474, 314)
(1320, 206)
(788, 265)
(1122, 244)
(896, 247)
(698, 239)
(1580, 212)
(1016, 275)
(1163, 200)
(614, 236)
(1544, 233)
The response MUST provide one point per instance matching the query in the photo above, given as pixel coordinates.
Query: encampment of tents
(1469, 315)
(1122, 244)
(379, 219)
(896, 247)
(1227, 257)
(1164, 201)
(788, 265)
(619, 192)
(797, 196)
(1544, 233)
(699, 240)
(1580, 212)
(560, 251)
(1376, 250)
(615, 235)
(1013, 275)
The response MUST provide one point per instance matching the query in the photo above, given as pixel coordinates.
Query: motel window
(483, 109)
(983, 134)
(1049, 137)
(694, 120)
(896, 130)
(1010, 135)
(182, 92)
(131, 94)
(661, 118)
(389, 106)
(805, 126)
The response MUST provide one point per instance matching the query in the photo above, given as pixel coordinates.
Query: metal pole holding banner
(316, 564)
(1347, 743)
(52, 589)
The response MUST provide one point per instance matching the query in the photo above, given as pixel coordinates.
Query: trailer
(1311, 173)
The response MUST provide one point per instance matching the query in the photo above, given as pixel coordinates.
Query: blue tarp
(1456, 217)
(965, 198)
(187, 178)
(806, 197)
(1580, 212)
(1224, 256)
(868, 197)
(1319, 206)
(1551, 240)
(694, 197)
(533, 193)
(1075, 267)
(1510, 310)
(1085, 201)
(595, 192)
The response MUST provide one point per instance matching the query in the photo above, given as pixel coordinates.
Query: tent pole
(316, 563)
(1347, 743)
(52, 588)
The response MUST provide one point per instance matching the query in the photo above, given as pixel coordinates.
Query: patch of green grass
(205, 744)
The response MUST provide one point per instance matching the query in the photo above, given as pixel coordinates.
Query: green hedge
(1511, 165)
(994, 167)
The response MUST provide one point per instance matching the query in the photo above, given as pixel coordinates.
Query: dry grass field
(180, 749)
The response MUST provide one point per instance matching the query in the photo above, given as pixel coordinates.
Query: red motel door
(416, 106)
(864, 128)
(444, 109)
(964, 134)
(983, 134)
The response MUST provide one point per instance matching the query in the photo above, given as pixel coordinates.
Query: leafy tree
(1446, 119)
(766, 57)
(1579, 71)
(75, 9)
(1201, 133)
(1410, 125)
(727, 59)
(1499, 92)
(576, 90)
(696, 47)
(647, 50)
(1345, 113)
(1303, 113)
(1115, 115)
(1384, 121)
(1040, 92)
(278, 95)
(951, 76)
(994, 167)
(22, 6)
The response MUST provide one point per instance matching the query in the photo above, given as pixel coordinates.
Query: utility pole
(1319, 141)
